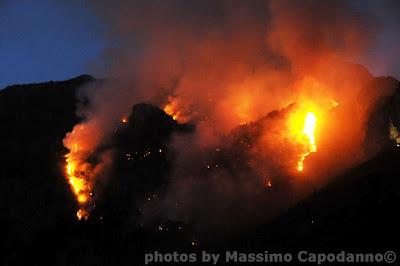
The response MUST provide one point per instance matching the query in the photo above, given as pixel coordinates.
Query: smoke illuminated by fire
(168, 109)
(279, 69)
(174, 111)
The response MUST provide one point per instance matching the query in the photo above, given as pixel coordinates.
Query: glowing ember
(310, 123)
(124, 120)
(82, 214)
(394, 133)
(333, 104)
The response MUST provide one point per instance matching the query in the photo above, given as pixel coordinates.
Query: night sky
(54, 40)
(47, 40)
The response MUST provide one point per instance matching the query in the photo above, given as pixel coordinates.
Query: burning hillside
(264, 161)
(219, 124)
(310, 123)
(259, 164)
(278, 73)
(159, 187)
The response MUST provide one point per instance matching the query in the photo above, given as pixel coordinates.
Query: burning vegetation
(172, 109)
(220, 116)
(310, 122)
(82, 166)
(394, 134)
(77, 174)
(260, 94)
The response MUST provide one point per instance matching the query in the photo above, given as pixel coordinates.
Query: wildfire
(310, 123)
(268, 183)
(394, 133)
(168, 109)
(81, 213)
(334, 104)
(173, 110)
(78, 171)
(80, 186)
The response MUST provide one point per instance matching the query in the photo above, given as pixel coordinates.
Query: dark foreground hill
(359, 209)
(356, 211)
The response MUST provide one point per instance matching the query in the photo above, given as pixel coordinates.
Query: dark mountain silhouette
(38, 211)
(355, 211)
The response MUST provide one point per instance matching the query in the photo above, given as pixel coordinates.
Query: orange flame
(310, 123)
(75, 173)
(78, 171)
(82, 214)
(303, 123)
(172, 109)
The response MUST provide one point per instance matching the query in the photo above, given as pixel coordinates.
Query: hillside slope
(359, 209)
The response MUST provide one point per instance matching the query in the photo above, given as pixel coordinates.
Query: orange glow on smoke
(168, 109)
(172, 109)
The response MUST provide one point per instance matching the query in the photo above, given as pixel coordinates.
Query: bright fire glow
(169, 110)
(394, 133)
(82, 214)
(310, 123)
(172, 109)
(334, 104)
(75, 173)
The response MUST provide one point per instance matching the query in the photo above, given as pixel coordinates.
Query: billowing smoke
(227, 65)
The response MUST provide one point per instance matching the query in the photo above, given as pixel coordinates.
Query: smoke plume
(238, 70)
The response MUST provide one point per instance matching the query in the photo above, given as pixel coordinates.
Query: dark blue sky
(384, 58)
(43, 40)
